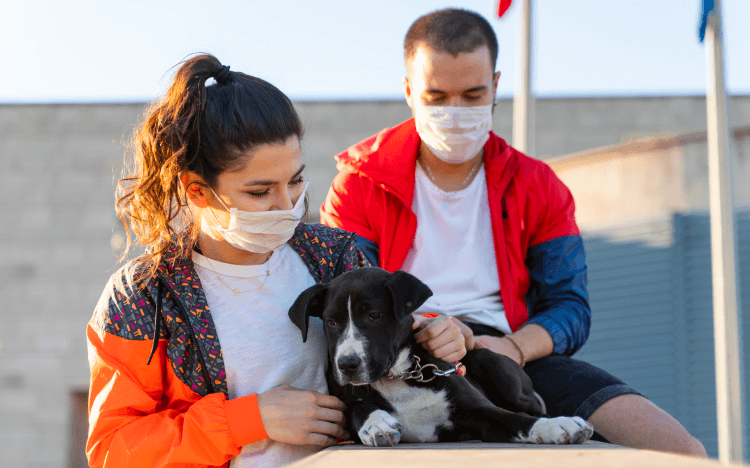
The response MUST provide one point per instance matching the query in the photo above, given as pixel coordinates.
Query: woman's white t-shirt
(454, 254)
(262, 348)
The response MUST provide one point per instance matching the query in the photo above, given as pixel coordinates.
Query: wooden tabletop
(478, 454)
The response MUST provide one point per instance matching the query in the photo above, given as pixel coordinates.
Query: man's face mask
(454, 134)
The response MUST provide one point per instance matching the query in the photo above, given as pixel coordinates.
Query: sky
(123, 51)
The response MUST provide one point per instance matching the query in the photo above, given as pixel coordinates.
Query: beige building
(648, 178)
(59, 165)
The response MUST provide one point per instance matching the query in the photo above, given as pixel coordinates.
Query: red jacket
(529, 206)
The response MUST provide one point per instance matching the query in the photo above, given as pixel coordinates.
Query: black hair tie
(222, 77)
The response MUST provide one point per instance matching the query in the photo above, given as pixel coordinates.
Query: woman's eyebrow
(273, 182)
(299, 171)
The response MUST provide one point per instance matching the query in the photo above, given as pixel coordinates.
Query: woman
(193, 358)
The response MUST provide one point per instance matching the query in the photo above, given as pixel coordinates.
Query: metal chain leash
(418, 373)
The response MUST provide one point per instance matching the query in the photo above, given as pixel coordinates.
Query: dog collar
(418, 373)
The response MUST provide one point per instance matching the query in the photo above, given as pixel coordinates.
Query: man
(490, 230)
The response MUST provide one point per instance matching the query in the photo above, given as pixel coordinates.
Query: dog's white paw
(560, 430)
(380, 430)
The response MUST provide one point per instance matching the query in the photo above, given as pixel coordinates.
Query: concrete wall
(58, 168)
(56, 186)
(647, 178)
(566, 126)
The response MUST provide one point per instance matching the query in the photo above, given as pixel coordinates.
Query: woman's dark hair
(203, 129)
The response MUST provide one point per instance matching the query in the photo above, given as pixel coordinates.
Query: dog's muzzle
(351, 370)
(349, 365)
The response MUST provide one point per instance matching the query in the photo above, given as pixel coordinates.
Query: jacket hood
(389, 158)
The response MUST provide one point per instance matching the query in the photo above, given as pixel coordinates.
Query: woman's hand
(444, 337)
(301, 417)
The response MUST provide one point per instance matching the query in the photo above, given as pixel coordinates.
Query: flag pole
(726, 337)
(523, 100)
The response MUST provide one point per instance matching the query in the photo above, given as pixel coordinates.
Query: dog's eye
(331, 322)
(375, 315)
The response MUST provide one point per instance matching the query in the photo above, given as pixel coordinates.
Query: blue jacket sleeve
(558, 299)
(368, 248)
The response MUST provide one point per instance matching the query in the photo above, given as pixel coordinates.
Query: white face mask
(454, 134)
(260, 231)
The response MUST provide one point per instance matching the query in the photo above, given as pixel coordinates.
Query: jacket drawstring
(157, 322)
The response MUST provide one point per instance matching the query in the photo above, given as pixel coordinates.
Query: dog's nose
(349, 364)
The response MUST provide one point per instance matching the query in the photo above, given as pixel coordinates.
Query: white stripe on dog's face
(352, 343)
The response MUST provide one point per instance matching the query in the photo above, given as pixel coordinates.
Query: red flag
(502, 7)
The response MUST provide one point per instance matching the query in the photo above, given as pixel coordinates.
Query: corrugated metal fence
(650, 287)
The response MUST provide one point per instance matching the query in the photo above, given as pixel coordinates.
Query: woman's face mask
(260, 187)
(454, 134)
(259, 231)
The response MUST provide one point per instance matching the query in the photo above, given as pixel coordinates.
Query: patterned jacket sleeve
(142, 415)
(355, 257)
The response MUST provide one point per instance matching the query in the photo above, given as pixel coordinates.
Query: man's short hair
(451, 30)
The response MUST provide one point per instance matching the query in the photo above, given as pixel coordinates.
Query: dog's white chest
(420, 410)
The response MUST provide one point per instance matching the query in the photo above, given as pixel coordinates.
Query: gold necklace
(465, 182)
(236, 291)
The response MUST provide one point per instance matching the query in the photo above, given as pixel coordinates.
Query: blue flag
(708, 7)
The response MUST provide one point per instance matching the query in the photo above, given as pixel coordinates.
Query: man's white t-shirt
(453, 252)
(262, 348)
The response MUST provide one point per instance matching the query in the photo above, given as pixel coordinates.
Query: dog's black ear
(309, 304)
(407, 293)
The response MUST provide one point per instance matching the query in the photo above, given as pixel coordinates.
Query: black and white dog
(395, 391)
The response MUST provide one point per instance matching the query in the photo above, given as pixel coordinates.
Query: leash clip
(418, 373)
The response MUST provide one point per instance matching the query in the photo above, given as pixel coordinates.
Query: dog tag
(461, 370)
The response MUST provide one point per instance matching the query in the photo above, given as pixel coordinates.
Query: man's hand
(301, 417)
(535, 341)
(466, 332)
(442, 337)
(499, 345)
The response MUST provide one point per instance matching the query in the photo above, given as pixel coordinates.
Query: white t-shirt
(262, 348)
(453, 252)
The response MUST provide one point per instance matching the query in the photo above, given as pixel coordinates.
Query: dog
(395, 391)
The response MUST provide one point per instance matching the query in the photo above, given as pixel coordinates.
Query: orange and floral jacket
(158, 393)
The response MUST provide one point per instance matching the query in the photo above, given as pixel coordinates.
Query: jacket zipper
(337, 269)
(199, 351)
(504, 260)
(510, 306)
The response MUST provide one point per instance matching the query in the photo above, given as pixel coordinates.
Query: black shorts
(568, 386)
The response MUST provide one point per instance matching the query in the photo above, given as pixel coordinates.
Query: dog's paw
(380, 430)
(560, 430)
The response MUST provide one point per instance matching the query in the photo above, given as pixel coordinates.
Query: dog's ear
(407, 293)
(309, 304)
